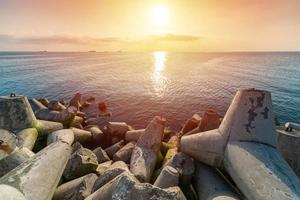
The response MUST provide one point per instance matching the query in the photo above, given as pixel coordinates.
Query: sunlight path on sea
(159, 80)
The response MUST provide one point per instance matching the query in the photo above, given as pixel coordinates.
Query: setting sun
(160, 16)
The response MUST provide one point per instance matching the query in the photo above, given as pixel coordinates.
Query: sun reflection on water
(159, 80)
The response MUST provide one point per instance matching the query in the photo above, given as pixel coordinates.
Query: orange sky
(109, 25)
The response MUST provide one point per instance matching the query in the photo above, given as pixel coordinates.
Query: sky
(150, 25)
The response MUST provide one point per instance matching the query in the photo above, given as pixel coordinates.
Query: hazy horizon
(150, 25)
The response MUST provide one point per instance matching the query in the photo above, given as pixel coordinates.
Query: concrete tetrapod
(27, 137)
(117, 128)
(210, 120)
(289, 146)
(83, 161)
(101, 155)
(145, 153)
(110, 173)
(168, 177)
(134, 135)
(210, 185)
(77, 189)
(14, 159)
(29, 177)
(126, 187)
(65, 135)
(65, 116)
(245, 144)
(16, 114)
(8, 143)
(124, 154)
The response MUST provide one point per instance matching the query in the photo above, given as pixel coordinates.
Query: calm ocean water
(137, 86)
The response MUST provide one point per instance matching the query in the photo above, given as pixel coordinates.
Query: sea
(138, 86)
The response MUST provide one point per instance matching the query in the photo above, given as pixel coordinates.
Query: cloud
(57, 39)
(92, 40)
(62, 42)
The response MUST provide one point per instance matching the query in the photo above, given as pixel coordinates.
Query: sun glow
(160, 16)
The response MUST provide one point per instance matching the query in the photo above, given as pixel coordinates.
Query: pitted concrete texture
(16, 113)
(37, 178)
(249, 118)
(260, 172)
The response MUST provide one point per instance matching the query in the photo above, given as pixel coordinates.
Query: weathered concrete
(56, 105)
(76, 101)
(114, 148)
(191, 124)
(65, 117)
(260, 171)
(97, 135)
(247, 137)
(249, 118)
(134, 135)
(81, 136)
(101, 155)
(27, 137)
(10, 193)
(14, 159)
(145, 153)
(76, 146)
(36, 105)
(113, 171)
(102, 167)
(289, 146)
(117, 128)
(77, 122)
(124, 154)
(77, 189)
(82, 162)
(29, 177)
(142, 163)
(46, 127)
(64, 135)
(211, 186)
(44, 101)
(168, 177)
(16, 113)
(188, 169)
(210, 121)
(153, 134)
(8, 143)
(183, 163)
(126, 187)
